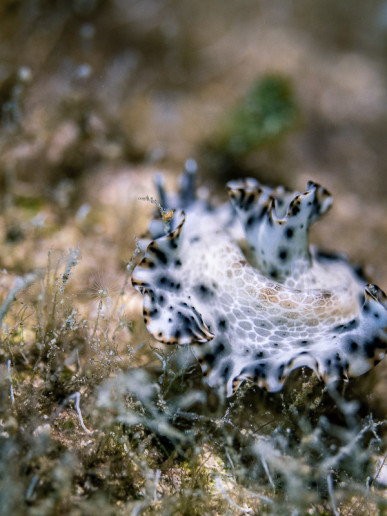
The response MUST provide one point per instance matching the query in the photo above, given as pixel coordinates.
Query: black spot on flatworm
(203, 291)
(209, 358)
(282, 254)
(222, 324)
(160, 254)
(352, 346)
(289, 233)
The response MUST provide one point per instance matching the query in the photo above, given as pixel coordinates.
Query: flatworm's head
(277, 223)
(296, 307)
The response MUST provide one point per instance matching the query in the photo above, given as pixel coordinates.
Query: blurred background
(97, 95)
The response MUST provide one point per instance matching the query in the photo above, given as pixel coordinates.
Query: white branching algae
(287, 306)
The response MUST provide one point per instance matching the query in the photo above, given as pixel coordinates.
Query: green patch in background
(258, 122)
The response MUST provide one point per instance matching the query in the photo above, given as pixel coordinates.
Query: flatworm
(287, 306)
